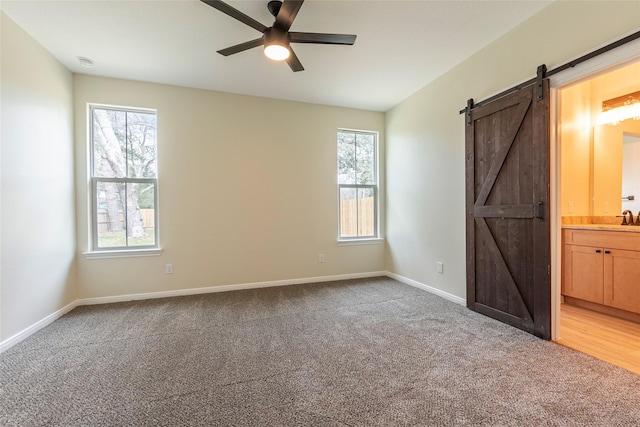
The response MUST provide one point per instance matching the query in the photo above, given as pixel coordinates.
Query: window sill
(373, 241)
(128, 253)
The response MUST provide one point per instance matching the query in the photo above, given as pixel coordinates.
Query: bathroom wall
(591, 154)
(576, 150)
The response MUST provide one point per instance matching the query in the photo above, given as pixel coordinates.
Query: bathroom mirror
(616, 168)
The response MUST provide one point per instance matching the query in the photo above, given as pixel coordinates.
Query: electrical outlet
(606, 207)
(168, 269)
(321, 258)
(571, 206)
(440, 267)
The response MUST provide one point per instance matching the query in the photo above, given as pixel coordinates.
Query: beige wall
(247, 190)
(425, 133)
(37, 197)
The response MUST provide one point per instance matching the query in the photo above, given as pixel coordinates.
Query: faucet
(624, 217)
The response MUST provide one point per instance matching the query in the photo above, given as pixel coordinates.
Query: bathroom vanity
(601, 268)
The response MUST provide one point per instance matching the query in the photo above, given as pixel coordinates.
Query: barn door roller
(467, 111)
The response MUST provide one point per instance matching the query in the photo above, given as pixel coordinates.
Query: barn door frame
(619, 57)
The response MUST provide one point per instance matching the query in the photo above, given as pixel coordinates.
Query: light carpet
(367, 352)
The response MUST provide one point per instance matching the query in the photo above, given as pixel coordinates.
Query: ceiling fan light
(276, 44)
(277, 52)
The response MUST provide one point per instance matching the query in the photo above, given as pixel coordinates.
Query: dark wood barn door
(507, 208)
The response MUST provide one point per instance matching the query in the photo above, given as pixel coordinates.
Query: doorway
(589, 189)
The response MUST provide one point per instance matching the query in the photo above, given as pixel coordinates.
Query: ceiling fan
(277, 38)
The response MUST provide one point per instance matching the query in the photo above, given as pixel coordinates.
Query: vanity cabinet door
(583, 273)
(622, 279)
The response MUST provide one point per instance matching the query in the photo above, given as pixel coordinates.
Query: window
(358, 184)
(123, 179)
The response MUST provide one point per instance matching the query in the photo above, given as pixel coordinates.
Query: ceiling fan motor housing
(275, 35)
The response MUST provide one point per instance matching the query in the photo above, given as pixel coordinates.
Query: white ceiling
(401, 45)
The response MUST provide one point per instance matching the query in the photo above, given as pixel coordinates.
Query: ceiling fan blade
(322, 38)
(287, 13)
(236, 14)
(294, 62)
(241, 47)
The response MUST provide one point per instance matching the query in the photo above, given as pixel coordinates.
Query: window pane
(365, 159)
(366, 212)
(141, 148)
(110, 214)
(125, 214)
(346, 158)
(348, 212)
(140, 214)
(357, 212)
(109, 143)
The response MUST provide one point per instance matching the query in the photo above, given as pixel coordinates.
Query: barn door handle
(537, 211)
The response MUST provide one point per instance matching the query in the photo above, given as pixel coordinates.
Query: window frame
(116, 251)
(375, 187)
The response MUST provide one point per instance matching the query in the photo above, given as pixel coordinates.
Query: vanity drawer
(604, 239)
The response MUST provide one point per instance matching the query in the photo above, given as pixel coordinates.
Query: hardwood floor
(605, 337)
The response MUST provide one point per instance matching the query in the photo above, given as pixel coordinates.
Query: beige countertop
(607, 227)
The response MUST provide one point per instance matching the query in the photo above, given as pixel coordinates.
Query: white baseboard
(225, 288)
(10, 342)
(430, 289)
